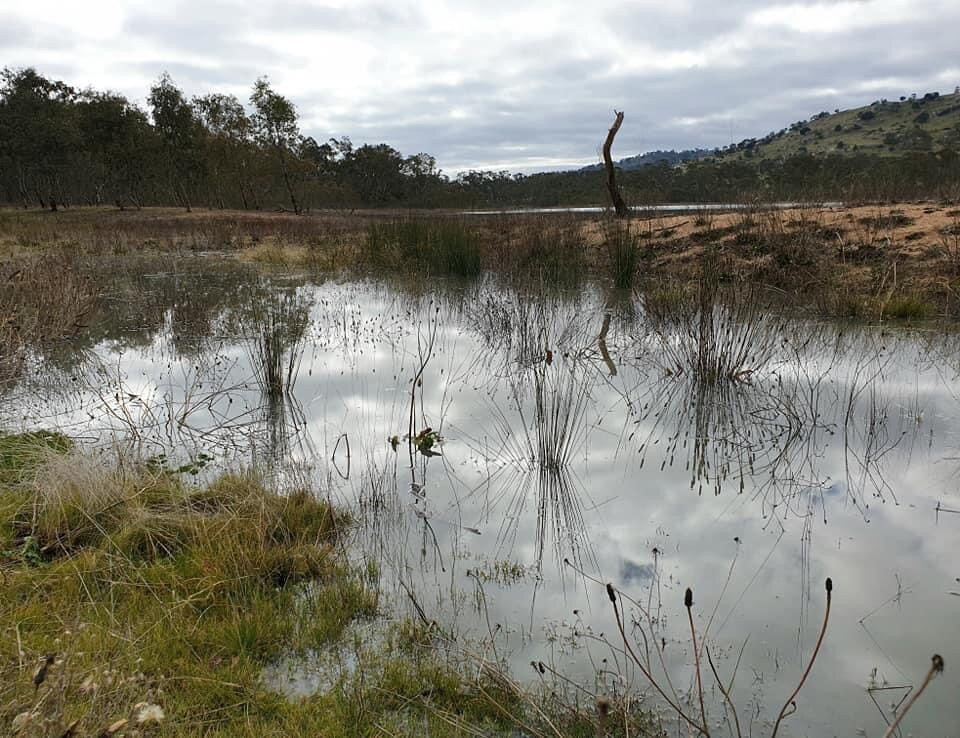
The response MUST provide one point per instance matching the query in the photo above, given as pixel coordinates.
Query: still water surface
(582, 436)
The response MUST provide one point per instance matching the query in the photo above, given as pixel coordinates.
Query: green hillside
(928, 122)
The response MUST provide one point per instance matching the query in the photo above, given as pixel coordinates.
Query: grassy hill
(885, 127)
(653, 157)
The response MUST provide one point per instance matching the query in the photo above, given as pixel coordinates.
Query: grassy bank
(135, 603)
(899, 261)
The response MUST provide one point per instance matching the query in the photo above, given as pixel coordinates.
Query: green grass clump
(20, 453)
(148, 589)
(906, 307)
(438, 247)
(623, 254)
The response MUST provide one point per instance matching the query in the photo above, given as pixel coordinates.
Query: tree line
(61, 146)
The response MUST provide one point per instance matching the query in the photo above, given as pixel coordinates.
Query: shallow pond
(509, 450)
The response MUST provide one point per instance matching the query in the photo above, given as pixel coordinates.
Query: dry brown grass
(807, 252)
(43, 299)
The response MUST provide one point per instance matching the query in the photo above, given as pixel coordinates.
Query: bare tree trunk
(618, 205)
(287, 182)
(22, 184)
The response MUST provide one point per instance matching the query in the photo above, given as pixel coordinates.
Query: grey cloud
(542, 92)
(307, 16)
(15, 33)
(213, 31)
(193, 77)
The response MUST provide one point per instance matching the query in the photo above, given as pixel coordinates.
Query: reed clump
(621, 246)
(547, 250)
(43, 299)
(436, 246)
(906, 307)
(277, 324)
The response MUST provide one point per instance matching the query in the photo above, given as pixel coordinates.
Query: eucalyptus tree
(276, 127)
(181, 136)
(376, 173)
(37, 133)
(117, 141)
(229, 143)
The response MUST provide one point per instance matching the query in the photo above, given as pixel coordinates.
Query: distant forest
(62, 147)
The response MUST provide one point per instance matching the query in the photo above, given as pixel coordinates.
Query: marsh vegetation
(273, 475)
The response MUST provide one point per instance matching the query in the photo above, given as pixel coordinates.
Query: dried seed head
(937, 663)
(688, 598)
(146, 713)
(829, 584)
(541, 668)
(611, 593)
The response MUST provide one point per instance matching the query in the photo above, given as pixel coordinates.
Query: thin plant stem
(935, 668)
(813, 657)
(724, 692)
(612, 594)
(688, 603)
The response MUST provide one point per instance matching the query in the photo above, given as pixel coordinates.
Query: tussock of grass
(42, 299)
(149, 589)
(312, 253)
(623, 253)
(906, 307)
(549, 250)
(22, 453)
(437, 246)
(238, 528)
(278, 254)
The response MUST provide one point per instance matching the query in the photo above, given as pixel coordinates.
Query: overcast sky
(523, 85)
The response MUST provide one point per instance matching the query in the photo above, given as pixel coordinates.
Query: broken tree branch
(618, 204)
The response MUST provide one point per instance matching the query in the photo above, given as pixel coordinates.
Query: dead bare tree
(618, 204)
